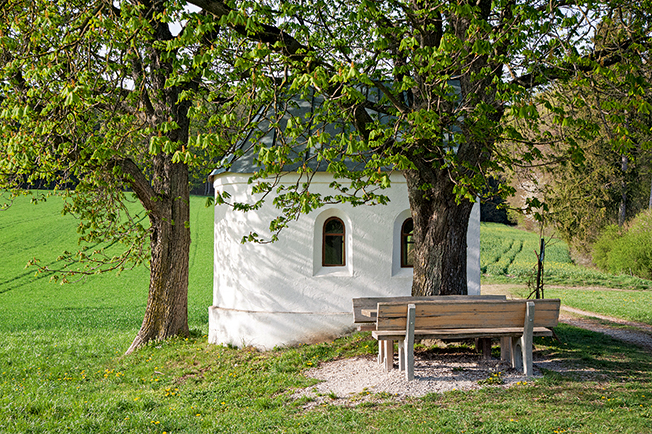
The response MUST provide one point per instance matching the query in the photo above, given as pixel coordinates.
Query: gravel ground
(362, 379)
(353, 381)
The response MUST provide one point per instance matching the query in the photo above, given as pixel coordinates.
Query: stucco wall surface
(279, 294)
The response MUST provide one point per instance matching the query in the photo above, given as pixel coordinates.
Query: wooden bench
(514, 321)
(365, 310)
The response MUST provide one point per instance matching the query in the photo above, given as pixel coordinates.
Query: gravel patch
(353, 381)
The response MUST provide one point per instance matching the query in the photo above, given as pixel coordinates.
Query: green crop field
(28, 301)
(62, 368)
(511, 253)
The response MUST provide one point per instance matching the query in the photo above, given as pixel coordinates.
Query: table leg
(506, 349)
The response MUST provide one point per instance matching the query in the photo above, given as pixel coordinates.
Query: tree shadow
(590, 354)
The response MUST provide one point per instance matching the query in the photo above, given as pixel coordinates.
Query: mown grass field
(62, 367)
(510, 254)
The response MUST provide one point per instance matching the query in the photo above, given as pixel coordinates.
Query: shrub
(628, 251)
(604, 245)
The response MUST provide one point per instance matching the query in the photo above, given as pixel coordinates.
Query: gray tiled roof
(300, 108)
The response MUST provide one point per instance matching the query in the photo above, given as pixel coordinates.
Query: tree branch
(139, 183)
(607, 57)
(289, 46)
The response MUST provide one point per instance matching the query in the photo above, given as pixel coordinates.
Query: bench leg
(527, 357)
(517, 354)
(401, 355)
(522, 346)
(485, 345)
(409, 361)
(528, 330)
(522, 355)
(409, 343)
(388, 353)
(381, 354)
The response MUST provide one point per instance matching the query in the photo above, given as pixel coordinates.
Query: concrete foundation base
(266, 330)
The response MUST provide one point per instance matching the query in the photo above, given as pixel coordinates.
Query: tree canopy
(437, 89)
(120, 98)
(597, 171)
(109, 94)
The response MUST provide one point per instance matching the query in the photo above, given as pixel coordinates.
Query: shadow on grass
(22, 280)
(588, 353)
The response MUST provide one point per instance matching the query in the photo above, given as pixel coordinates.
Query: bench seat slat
(461, 333)
(361, 303)
(480, 306)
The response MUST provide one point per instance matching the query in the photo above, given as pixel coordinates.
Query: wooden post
(505, 348)
(409, 343)
(485, 347)
(540, 259)
(526, 346)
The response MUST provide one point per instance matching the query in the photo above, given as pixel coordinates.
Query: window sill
(334, 272)
(403, 273)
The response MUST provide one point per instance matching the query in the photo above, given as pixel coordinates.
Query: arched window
(407, 243)
(333, 243)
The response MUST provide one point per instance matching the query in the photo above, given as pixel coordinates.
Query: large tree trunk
(167, 200)
(440, 226)
(166, 314)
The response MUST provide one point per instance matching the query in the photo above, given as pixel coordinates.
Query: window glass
(407, 243)
(333, 243)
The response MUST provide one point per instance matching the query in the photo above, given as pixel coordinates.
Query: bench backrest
(372, 302)
(467, 314)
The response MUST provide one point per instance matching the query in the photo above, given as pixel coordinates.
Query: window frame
(405, 243)
(323, 242)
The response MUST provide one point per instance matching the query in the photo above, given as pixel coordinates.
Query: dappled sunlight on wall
(280, 293)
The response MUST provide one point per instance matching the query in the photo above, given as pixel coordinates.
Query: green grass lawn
(62, 367)
(629, 305)
(72, 381)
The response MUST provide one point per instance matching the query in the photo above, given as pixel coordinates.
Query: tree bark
(166, 314)
(440, 226)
